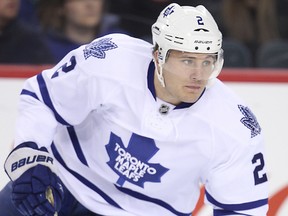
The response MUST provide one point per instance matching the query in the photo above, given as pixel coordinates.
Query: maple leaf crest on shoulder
(250, 121)
(97, 48)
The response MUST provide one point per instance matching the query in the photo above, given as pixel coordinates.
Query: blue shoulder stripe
(47, 100)
(27, 92)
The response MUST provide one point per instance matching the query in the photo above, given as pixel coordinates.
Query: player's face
(186, 75)
(83, 13)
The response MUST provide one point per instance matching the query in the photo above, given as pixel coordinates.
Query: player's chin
(192, 96)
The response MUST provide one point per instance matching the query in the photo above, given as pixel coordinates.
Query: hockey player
(124, 129)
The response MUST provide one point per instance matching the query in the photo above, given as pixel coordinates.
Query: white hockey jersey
(122, 151)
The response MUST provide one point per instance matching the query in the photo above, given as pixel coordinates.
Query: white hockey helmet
(188, 29)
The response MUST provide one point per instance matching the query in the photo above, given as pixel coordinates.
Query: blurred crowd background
(255, 32)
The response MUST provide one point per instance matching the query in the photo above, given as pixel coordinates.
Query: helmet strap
(159, 73)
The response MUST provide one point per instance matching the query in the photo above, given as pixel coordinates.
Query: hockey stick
(50, 198)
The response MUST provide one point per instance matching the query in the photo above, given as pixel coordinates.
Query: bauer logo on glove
(22, 159)
(31, 160)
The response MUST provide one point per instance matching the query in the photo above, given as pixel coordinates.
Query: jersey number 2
(67, 67)
(200, 20)
(258, 179)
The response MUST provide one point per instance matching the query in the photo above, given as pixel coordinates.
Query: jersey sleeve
(83, 81)
(237, 181)
(62, 95)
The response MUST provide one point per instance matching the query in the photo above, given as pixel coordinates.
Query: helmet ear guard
(188, 29)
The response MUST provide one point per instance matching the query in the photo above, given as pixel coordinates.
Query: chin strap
(159, 73)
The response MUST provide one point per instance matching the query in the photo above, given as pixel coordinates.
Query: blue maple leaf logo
(97, 48)
(168, 11)
(131, 163)
(250, 121)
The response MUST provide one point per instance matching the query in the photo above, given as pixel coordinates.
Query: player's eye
(207, 63)
(187, 61)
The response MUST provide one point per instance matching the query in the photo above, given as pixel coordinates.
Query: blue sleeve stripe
(83, 179)
(47, 100)
(152, 200)
(237, 207)
(76, 145)
(217, 212)
(27, 92)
